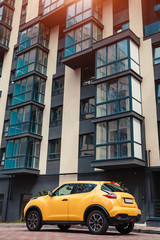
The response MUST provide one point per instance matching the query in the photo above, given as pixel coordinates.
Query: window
(88, 75)
(2, 157)
(4, 35)
(58, 86)
(86, 145)
(22, 153)
(36, 34)
(30, 88)
(84, 188)
(111, 188)
(59, 57)
(83, 10)
(1, 205)
(157, 55)
(152, 28)
(121, 28)
(64, 190)
(26, 119)
(5, 128)
(115, 139)
(56, 116)
(34, 60)
(54, 149)
(113, 97)
(87, 108)
(50, 5)
(116, 58)
(6, 15)
(9, 101)
(81, 38)
(158, 93)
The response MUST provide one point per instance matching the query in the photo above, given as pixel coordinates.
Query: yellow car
(96, 204)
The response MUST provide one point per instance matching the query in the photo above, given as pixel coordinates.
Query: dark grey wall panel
(4, 184)
(121, 17)
(57, 100)
(84, 164)
(157, 72)
(3, 143)
(7, 115)
(55, 132)
(87, 92)
(53, 167)
(86, 126)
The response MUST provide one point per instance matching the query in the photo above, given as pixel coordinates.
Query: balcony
(9, 3)
(4, 39)
(119, 143)
(78, 45)
(22, 156)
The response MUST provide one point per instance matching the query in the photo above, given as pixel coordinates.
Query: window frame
(56, 155)
(87, 148)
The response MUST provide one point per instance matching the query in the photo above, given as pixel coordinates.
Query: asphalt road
(53, 233)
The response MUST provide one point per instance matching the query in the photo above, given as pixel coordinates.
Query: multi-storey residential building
(79, 98)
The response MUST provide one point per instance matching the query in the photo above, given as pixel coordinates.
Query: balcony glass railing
(50, 5)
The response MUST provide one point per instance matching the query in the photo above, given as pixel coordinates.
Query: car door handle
(64, 200)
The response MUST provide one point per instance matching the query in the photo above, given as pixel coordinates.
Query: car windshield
(111, 188)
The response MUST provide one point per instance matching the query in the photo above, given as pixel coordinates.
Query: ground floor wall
(14, 188)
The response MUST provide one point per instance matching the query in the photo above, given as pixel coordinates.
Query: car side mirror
(50, 193)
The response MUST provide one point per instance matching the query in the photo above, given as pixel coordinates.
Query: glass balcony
(31, 88)
(115, 139)
(26, 119)
(4, 36)
(22, 153)
(81, 38)
(116, 58)
(33, 60)
(38, 33)
(51, 5)
(118, 96)
(10, 2)
(6, 15)
(82, 10)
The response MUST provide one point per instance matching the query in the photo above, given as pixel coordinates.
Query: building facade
(79, 98)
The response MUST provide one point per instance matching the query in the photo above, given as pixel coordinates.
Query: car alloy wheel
(33, 221)
(125, 228)
(97, 222)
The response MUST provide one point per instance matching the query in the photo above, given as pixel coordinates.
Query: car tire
(33, 221)
(97, 222)
(125, 228)
(63, 227)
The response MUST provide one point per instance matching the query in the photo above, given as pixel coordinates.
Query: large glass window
(56, 116)
(30, 88)
(22, 153)
(26, 119)
(118, 57)
(86, 146)
(50, 5)
(6, 15)
(82, 10)
(157, 55)
(54, 149)
(115, 139)
(58, 85)
(87, 108)
(113, 97)
(38, 33)
(36, 59)
(4, 35)
(81, 38)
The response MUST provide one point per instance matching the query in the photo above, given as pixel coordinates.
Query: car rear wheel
(63, 228)
(125, 228)
(33, 221)
(97, 222)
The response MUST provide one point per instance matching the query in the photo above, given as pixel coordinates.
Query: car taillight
(110, 195)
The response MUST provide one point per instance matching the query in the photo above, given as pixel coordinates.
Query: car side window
(64, 190)
(84, 188)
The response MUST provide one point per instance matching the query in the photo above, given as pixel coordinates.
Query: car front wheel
(33, 221)
(63, 227)
(97, 222)
(125, 228)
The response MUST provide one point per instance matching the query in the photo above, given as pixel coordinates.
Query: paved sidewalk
(139, 228)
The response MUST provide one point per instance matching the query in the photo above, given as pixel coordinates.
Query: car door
(80, 200)
(56, 207)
